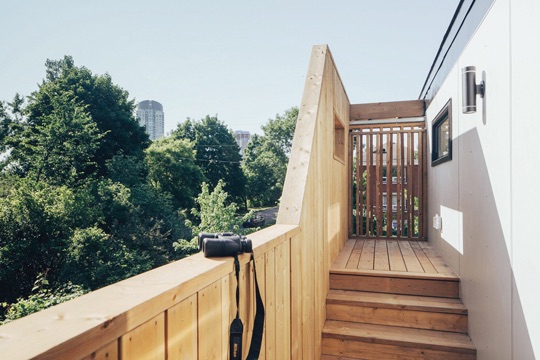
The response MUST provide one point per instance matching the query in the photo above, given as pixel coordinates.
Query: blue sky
(245, 61)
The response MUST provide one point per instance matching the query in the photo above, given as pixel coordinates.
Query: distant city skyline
(244, 61)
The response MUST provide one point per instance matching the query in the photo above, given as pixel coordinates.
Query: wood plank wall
(315, 198)
(183, 310)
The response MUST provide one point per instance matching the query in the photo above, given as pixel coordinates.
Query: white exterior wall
(489, 194)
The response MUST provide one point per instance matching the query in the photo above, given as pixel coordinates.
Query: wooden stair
(390, 315)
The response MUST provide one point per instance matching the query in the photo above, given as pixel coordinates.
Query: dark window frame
(442, 116)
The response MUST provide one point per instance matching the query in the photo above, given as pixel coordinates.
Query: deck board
(355, 255)
(368, 254)
(395, 256)
(398, 257)
(381, 256)
(344, 255)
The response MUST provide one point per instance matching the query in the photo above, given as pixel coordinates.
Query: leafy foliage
(105, 103)
(214, 216)
(60, 147)
(266, 158)
(218, 154)
(41, 298)
(172, 170)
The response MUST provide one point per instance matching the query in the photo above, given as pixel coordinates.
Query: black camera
(223, 244)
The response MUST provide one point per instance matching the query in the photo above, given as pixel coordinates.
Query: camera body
(223, 244)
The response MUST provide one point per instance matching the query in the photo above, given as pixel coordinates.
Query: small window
(339, 140)
(441, 136)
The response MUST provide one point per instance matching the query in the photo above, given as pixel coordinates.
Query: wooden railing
(183, 310)
(387, 156)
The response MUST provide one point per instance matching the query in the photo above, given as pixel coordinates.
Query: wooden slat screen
(388, 179)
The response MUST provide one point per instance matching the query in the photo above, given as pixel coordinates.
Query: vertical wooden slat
(270, 307)
(420, 185)
(228, 307)
(378, 184)
(260, 263)
(410, 185)
(359, 186)
(209, 316)
(369, 208)
(182, 329)
(389, 147)
(399, 184)
(147, 341)
(282, 302)
(108, 352)
(350, 188)
(379, 181)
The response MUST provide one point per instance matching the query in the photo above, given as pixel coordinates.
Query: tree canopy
(266, 158)
(218, 154)
(106, 104)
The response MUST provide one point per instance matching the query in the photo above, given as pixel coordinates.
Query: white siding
(488, 191)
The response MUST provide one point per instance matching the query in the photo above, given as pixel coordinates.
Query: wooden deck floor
(395, 256)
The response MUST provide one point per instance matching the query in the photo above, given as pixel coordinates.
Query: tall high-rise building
(242, 139)
(150, 115)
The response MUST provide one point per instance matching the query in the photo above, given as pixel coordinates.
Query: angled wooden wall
(315, 198)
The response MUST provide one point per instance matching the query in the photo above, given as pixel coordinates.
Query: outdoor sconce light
(471, 89)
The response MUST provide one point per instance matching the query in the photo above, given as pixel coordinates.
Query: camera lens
(246, 245)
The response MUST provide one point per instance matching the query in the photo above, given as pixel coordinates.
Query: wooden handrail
(183, 310)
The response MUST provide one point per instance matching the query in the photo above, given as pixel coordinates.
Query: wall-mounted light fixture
(471, 89)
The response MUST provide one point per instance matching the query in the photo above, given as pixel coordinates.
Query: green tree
(106, 104)
(59, 147)
(214, 215)
(280, 131)
(266, 158)
(218, 154)
(264, 167)
(172, 169)
(35, 226)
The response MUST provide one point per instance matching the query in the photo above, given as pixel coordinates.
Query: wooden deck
(395, 256)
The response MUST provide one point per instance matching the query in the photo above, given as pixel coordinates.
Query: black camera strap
(237, 328)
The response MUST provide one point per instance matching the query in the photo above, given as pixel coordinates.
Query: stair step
(367, 341)
(398, 310)
(436, 285)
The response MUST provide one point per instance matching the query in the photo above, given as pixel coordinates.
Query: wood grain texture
(146, 341)
(209, 318)
(108, 352)
(387, 110)
(182, 329)
(419, 338)
(393, 285)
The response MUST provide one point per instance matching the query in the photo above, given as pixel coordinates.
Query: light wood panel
(209, 322)
(387, 110)
(315, 197)
(182, 329)
(146, 342)
(108, 352)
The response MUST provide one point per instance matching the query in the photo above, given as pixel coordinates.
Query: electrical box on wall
(437, 222)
